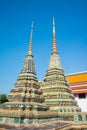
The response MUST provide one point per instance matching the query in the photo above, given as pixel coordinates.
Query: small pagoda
(25, 104)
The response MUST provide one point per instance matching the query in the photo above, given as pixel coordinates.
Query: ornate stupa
(56, 90)
(28, 104)
(26, 99)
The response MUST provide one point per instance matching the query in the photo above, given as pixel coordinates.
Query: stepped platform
(55, 125)
(43, 126)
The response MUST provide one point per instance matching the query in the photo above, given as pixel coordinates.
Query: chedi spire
(29, 66)
(30, 46)
(54, 48)
(54, 59)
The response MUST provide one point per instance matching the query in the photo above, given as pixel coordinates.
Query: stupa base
(53, 125)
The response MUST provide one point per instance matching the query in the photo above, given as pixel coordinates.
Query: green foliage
(3, 98)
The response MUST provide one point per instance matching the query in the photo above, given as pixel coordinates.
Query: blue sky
(15, 22)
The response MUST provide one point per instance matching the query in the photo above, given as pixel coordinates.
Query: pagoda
(56, 89)
(25, 104)
(31, 104)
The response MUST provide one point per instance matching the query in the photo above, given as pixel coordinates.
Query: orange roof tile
(76, 78)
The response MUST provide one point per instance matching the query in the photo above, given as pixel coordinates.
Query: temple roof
(78, 82)
(77, 77)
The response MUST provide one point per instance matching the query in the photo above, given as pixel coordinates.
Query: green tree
(3, 98)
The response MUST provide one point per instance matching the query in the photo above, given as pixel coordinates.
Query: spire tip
(54, 48)
(30, 46)
(53, 25)
(32, 25)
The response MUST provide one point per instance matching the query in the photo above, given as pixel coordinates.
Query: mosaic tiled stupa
(26, 99)
(28, 104)
(57, 92)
